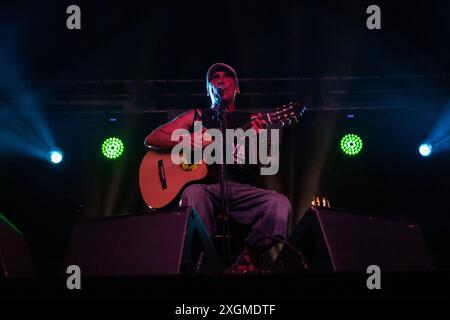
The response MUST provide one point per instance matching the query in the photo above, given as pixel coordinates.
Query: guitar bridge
(162, 174)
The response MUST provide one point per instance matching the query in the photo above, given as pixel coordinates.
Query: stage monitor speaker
(333, 240)
(167, 242)
(15, 257)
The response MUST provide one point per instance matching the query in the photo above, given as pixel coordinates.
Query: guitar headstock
(286, 114)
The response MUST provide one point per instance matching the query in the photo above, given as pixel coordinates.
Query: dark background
(177, 41)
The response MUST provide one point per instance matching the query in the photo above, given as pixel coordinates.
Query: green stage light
(112, 148)
(351, 144)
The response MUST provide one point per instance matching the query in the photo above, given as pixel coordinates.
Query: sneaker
(246, 263)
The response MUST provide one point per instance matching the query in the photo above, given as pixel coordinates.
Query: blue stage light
(55, 156)
(425, 149)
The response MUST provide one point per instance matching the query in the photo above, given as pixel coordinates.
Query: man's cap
(220, 67)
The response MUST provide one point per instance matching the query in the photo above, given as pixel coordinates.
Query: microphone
(220, 92)
(219, 95)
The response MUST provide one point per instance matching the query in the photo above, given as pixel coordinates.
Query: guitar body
(161, 180)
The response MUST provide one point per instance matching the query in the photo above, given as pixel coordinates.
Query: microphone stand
(223, 178)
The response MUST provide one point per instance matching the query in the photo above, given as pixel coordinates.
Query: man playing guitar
(266, 212)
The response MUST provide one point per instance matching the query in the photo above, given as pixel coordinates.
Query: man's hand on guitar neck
(258, 122)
